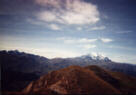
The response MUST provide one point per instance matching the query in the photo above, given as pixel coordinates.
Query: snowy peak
(87, 57)
(97, 57)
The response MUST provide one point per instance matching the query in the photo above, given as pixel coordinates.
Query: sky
(70, 28)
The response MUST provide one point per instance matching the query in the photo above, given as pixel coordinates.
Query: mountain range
(29, 67)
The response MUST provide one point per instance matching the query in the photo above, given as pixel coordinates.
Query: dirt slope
(72, 80)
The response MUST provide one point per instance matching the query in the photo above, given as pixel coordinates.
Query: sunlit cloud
(54, 27)
(48, 16)
(101, 54)
(83, 43)
(69, 40)
(88, 46)
(68, 12)
(46, 52)
(79, 28)
(77, 40)
(98, 28)
(106, 40)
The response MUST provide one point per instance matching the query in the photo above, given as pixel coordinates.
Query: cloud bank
(88, 46)
(76, 12)
(83, 43)
(69, 40)
(54, 27)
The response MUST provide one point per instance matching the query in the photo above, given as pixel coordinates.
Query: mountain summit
(97, 57)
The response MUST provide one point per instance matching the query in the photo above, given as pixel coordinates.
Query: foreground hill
(124, 83)
(78, 80)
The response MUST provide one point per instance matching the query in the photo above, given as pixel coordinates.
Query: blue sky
(69, 28)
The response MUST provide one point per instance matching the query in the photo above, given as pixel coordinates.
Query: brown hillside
(72, 80)
(124, 83)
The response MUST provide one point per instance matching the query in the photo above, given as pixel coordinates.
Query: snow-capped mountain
(97, 57)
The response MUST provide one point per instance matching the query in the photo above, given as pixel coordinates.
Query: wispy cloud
(77, 40)
(98, 28)
(70, 40)
(48, 52)
(123, 32)
(106, 40)
(85, 40)
(79, 28)
(122, 48)
(68, 12)
(88, 46)
(98, 54)
(83, 43)
(54, 27)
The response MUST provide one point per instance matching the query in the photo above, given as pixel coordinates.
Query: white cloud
(88, 46)
(49, 16)
(47, 52)
(98, 28)
(79, 28)
(77, 40)
(54, 27)
(68, 12)
(70, 40)
(83, 43)
(85, 40)
(46, 16)
(101, 54)
(106, 40)
(51, 3)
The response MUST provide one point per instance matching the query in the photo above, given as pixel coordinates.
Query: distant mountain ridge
(29, 63)
(97, 57)
(34, 65)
